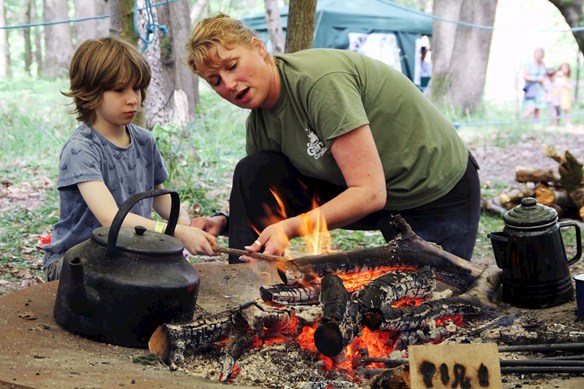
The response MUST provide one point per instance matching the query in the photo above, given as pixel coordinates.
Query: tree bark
(4, 70)
(572, 12)
(300, 28)
(58, 42)
(466, 51)
(274, 23)
(92, 28)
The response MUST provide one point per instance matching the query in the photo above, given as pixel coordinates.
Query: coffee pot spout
(500, 242)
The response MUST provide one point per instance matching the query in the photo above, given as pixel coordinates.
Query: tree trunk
(274, 23)
(122, 20)
(572, 12)
(27, 37)
(465, 50)
(92, 28)
(301, 22)
(197, 10)
(58, 43)
(38, 48)
(3, 44)
(178, 86)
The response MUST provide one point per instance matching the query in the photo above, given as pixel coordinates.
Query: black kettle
(531, 253)
(118, 286)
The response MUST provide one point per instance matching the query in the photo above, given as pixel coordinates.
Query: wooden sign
(464, 366)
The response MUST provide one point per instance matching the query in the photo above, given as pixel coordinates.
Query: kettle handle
(578, 254)
(114, 230)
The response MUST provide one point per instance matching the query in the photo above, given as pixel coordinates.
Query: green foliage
(201, 157)
(35, 120)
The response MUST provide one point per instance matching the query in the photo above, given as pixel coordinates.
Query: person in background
(564, 81)
(425, 71)
(534, 75)
(552, 94)
(340, 128)
(107, 158)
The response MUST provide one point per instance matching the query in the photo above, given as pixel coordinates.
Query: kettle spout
(79, 301)
(499, 241)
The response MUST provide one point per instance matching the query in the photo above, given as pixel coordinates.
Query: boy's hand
(195, 240)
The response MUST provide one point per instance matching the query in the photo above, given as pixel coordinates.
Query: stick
(238, 252)
(543, 347)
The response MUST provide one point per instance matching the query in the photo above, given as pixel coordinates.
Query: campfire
(339, 311)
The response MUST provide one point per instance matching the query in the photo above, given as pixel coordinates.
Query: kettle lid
(140, 240)
(530, 214)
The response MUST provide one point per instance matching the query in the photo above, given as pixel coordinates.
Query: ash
(279, 366)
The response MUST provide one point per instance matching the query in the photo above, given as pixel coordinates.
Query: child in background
(552, 95)
(107, 159)
(564, 82)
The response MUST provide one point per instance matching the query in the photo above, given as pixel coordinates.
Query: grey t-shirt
(89, 156)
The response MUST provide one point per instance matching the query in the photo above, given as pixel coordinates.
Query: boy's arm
(103, 206)
(161, 205)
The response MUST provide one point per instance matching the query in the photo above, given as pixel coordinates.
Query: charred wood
(395, 378)
(340, 323)
(421, 316)
(407, 249)
(170, 341)
(385, 290)
(291, 294)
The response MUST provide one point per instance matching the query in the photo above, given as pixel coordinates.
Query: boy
(108, 158)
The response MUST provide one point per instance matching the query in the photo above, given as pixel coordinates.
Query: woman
(342, 128)
(534, 76)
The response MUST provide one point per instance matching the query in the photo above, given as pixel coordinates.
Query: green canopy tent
(346, 24)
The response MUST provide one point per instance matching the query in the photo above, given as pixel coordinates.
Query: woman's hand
(213, 225)
(195, 240)
(274, 239)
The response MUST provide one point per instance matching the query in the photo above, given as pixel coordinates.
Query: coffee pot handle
(578, 254)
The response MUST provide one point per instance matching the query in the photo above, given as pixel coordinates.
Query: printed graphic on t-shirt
(315, 147)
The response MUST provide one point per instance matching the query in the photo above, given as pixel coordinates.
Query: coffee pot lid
(530, 214)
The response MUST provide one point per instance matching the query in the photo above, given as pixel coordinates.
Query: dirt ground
(497, 166)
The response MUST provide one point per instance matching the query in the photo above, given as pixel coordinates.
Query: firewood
(339, 324)
(407, 249)
(291, 294)
(513, 197)
(421, 316)
(492, 207)
(392, 287)
(531, 174)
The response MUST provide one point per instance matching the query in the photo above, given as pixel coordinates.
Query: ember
(334, 309)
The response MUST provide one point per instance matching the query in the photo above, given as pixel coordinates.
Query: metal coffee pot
(531, 253)
(122, 283)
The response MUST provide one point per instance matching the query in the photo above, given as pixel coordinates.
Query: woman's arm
(356, 154)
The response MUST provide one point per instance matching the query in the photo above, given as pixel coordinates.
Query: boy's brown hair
(216, 30)
(101, 65)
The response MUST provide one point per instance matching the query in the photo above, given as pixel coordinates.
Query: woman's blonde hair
(100, 65)
(216, 30)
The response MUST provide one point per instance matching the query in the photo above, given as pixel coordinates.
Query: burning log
(409, 318)
(343, 312)
(407, 249)
(291, 294)
(391, 287)
(170, 341)
(339, 324)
